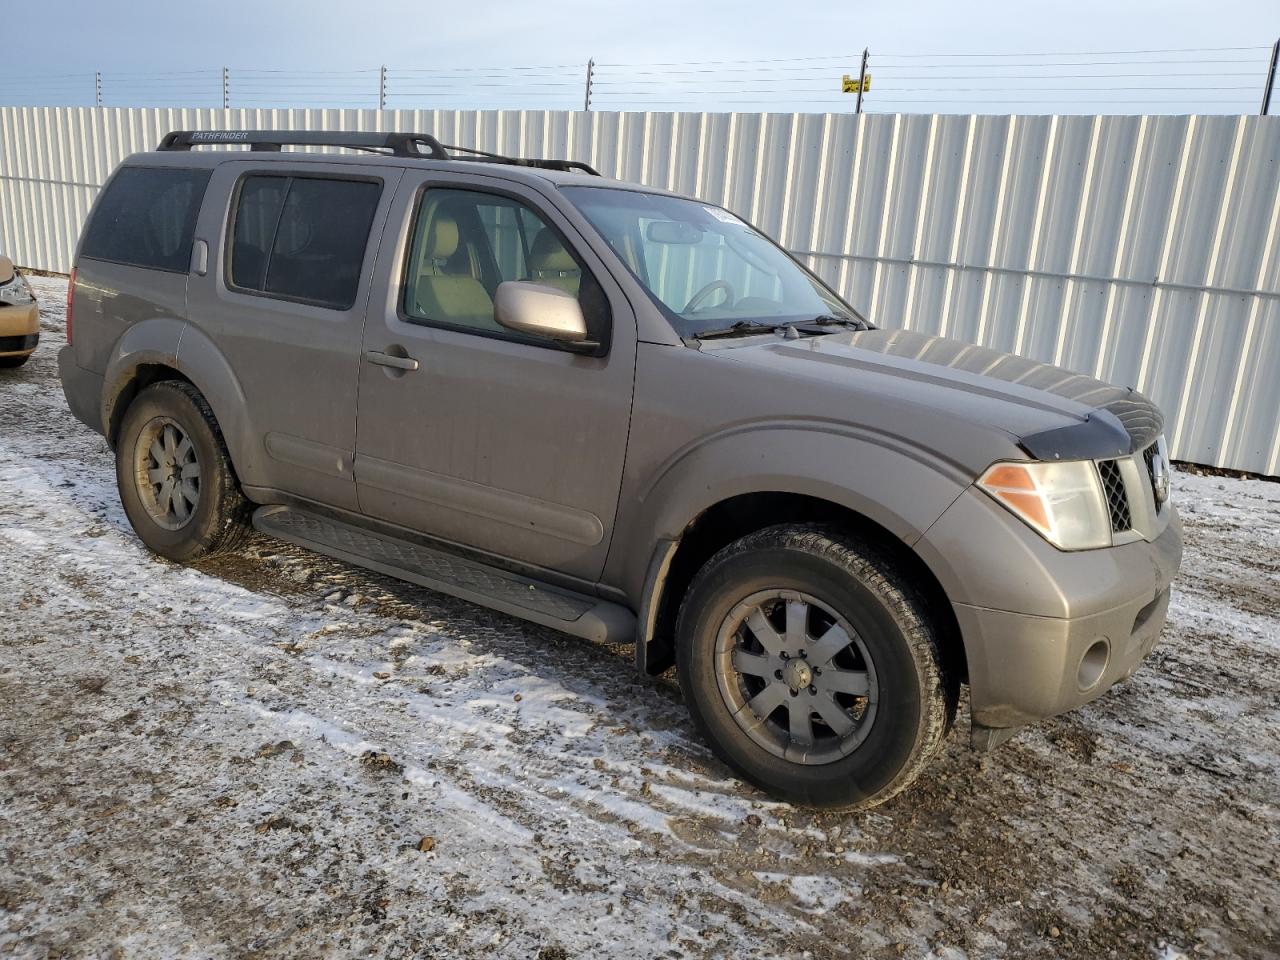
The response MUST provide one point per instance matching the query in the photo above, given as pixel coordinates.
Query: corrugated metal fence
(1145, 250)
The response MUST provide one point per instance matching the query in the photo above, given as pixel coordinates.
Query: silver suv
(627, 415)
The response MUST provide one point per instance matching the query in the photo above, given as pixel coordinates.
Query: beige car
(19, 317)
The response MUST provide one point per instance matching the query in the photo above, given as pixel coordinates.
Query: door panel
(297, 361)
(497, 442)
(484, 501)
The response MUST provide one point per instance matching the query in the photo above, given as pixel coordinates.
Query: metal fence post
(382, 88)
(862, 79)
(1271, 79)
(586, 100)
(226, 89)
(97, 88)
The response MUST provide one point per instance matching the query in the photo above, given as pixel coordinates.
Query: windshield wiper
(733, 330)
(812, 325)
(831, 319)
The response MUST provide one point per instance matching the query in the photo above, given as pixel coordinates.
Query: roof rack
(421, 145)
(483, 156)
(399, 144)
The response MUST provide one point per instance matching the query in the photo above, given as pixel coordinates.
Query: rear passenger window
(146, 218)
(257, 213)
(302, 238)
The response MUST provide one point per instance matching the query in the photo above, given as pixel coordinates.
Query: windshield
(704, 267)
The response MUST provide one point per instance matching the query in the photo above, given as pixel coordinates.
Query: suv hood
(1051, 412)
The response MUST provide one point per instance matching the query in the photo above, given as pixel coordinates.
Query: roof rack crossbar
(421, 145)
(399, 144)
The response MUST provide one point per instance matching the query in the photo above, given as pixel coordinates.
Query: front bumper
(19, 329)
(1026, 668)
(1044, 630)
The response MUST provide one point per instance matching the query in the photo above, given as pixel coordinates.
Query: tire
(218, 519)
(10, 362)
(893, 697)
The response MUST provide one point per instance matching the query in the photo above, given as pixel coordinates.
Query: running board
(466, 579)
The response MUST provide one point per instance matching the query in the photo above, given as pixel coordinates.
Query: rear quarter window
(146, 218)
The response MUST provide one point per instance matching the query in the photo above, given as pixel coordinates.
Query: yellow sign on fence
(853, 85)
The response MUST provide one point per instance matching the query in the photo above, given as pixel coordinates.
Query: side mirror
(542, 311)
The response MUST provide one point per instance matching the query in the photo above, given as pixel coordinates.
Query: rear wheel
(7, 362)
(175, 477)
(810, 666)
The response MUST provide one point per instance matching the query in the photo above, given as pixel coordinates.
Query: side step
(573, 613)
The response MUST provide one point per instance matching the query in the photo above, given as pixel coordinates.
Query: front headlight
(15, 292)
(1063, 501)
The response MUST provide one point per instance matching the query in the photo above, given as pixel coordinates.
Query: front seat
(447, 291)
(551, 264)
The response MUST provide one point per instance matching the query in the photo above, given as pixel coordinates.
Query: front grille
(25, 342)
(1117, 499)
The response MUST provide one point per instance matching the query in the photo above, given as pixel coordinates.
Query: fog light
(1093, 664)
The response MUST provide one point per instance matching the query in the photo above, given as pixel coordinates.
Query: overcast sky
(155, 53)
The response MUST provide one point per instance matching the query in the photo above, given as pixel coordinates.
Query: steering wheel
(696, 300)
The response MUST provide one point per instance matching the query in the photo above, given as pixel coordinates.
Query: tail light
(71, 295)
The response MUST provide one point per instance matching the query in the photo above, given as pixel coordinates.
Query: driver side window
(465, 243)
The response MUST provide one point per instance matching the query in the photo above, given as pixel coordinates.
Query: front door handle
(391, 360)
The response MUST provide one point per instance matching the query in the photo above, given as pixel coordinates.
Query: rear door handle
(200, 257)
(390, 360)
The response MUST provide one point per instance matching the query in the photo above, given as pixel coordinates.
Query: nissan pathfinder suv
(627, 415)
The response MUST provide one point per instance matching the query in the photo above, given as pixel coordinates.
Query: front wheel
(175, 477)
(809, 665)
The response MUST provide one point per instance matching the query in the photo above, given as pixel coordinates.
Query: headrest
(549, 255)
(442, 236)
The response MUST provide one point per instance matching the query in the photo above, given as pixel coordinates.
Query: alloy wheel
(796, 676)
(168, 473)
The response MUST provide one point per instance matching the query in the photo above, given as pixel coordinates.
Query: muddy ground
(283, 756)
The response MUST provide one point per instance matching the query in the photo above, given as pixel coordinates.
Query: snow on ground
(249, 759)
